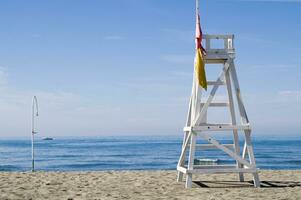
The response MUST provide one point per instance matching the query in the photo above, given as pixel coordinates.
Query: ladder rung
(211, 146)
(214, 166)
(218, 127)
(216, 169)
(217, 104)
(222, 170)
(216, 83)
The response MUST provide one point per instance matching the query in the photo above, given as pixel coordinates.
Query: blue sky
(124, 67)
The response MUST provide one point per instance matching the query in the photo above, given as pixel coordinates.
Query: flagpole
(197, 7)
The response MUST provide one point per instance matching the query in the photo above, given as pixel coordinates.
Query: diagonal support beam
(202, 114)
(184, 148)
(182, 157)
(241, 107)
(225, 149)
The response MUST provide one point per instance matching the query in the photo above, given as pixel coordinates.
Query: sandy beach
(145, 185)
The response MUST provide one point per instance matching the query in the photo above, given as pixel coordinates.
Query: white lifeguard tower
(197, 125)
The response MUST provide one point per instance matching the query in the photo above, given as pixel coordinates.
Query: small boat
(47, 138)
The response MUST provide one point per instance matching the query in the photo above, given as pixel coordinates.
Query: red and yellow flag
(199, 57)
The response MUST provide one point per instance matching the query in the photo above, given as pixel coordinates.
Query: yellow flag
(200, 69)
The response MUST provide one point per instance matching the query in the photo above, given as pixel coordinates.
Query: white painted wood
(191, 161)
(233, 119)
(182, 158)
(213, 59)
(201, 115)
(217, 128)
(211, 146)
(214, 166)
(217, 104)
(245, 151)
(219, 83)
(183, 170)
(241, 106)
(217, 36)
(252, 157)
(224, 149)
(244, 118)
(198, 125)
(226, 170)
(208, 44)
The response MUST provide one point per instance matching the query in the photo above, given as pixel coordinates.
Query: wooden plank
(217, 104)
(182, 169)
(218, 51)
(226, 43)
(226, 170)
(245, 151)
(216, 83)
(218, 36)
(211, 146)
(218, 128)
(215, 166)
(182, 157)
(191, 160)
(216, 60)
(208, 43)
(241, 106)
(250, 147)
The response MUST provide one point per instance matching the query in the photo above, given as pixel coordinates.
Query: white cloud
(291, 95)
(3, 77)
(64, 113)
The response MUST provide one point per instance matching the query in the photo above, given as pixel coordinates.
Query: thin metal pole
(197, 7)
(33, 132)
(32, 152)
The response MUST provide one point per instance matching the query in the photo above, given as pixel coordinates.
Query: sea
(134, 153)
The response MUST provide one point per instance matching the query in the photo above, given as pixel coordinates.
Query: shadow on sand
(237, 184)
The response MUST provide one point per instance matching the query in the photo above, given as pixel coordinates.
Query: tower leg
(191, 160)
(233, 119)
(181, 163)
(249, 146)
(256, 180)
(237, 150)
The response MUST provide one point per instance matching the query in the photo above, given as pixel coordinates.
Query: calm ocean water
(132, 153)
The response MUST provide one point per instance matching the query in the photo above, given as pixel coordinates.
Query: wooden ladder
(197, 125)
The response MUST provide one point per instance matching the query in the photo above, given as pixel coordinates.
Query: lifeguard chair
(197, 125)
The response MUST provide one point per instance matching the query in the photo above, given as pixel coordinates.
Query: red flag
(199, 57)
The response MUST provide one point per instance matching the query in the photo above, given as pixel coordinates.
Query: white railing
(228, 42)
